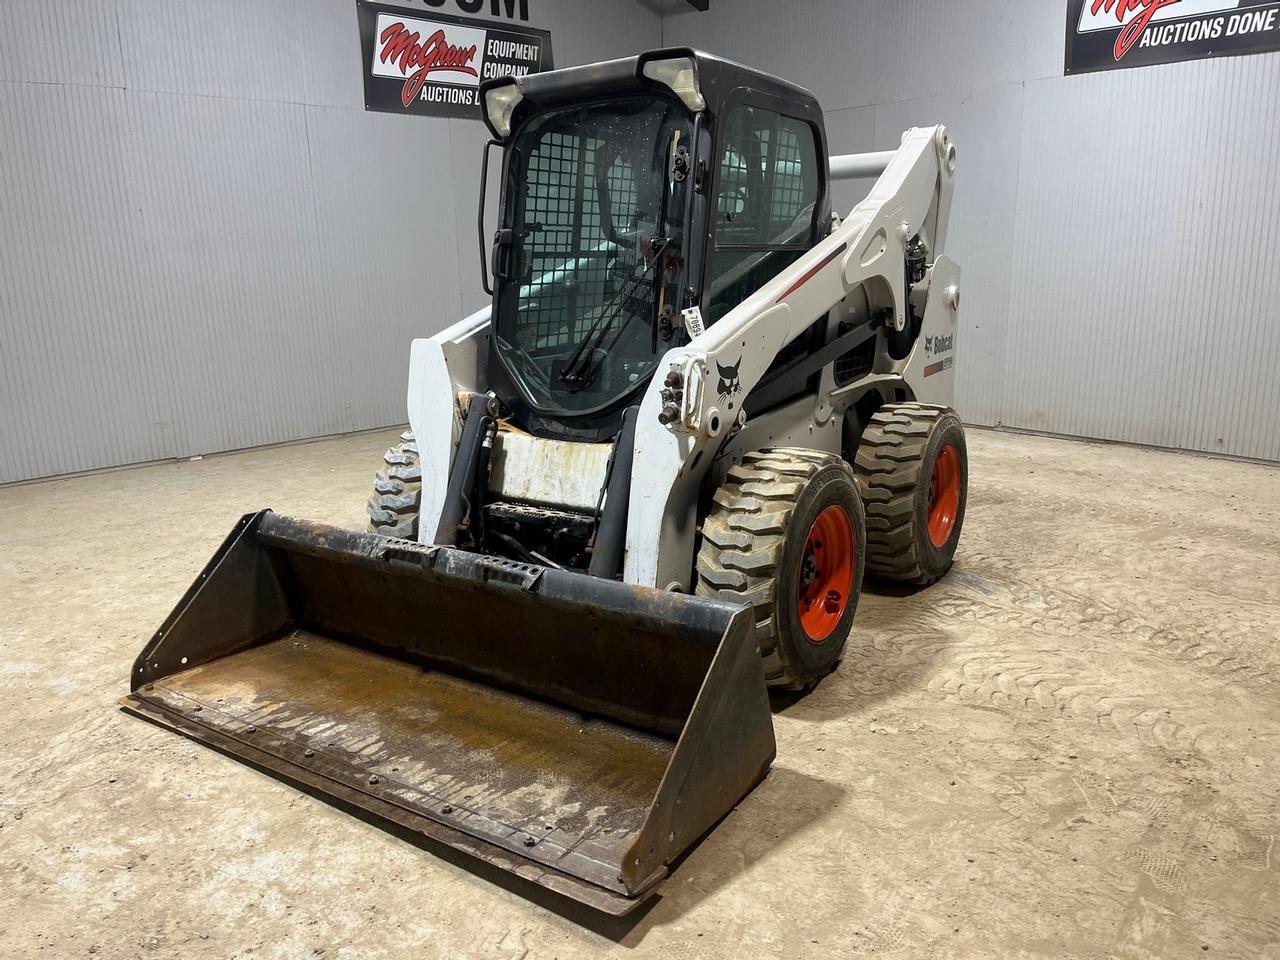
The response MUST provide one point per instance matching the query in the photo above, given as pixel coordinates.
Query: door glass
(765, 204)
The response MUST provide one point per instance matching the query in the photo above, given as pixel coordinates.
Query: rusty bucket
(577, 732)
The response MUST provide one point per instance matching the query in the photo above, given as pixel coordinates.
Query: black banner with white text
(1114, 34)
(426, 63)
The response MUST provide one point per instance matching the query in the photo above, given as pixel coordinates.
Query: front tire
(913, 471)
(397, 491)
(786, 536)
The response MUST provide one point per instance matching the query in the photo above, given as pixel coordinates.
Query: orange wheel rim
(824, 581)
(944, 495)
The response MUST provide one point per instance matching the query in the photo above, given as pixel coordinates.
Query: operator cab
(631, 191)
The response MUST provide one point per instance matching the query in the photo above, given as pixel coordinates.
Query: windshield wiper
(582, 367)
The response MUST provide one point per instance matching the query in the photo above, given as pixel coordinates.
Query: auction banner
(1113, 34)
(432, 64)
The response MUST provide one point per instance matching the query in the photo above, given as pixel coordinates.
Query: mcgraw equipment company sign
(422, 62)
(1112, 34)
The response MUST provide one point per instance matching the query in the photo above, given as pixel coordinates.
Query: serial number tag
(693, 321)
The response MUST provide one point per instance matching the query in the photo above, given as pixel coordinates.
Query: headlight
(500, 104)
(681, 75)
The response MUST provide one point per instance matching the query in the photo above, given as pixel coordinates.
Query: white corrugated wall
(1116, 231)
(206, 242)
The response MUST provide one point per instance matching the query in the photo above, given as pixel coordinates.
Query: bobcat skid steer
(638, 490)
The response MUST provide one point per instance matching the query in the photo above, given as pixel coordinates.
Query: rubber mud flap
(577, 732)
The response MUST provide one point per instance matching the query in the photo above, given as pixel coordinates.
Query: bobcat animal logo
(730, 386)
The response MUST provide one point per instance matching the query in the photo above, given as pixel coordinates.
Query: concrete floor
(1068, 748)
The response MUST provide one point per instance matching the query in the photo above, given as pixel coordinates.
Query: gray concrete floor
(1068, 748)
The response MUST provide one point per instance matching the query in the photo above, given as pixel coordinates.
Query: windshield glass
(595, 252)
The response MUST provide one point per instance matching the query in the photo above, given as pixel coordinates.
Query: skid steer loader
(638, 490)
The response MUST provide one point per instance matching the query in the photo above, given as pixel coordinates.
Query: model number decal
(938, 367)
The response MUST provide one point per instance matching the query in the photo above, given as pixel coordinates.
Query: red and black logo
(403, 49)
(418, 61)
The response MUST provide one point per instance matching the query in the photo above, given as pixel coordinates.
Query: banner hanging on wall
(1114, 34)
(431, 64)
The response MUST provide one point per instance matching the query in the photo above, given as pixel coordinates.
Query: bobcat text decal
(938, 344)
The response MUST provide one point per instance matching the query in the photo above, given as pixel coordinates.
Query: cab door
(765, 202)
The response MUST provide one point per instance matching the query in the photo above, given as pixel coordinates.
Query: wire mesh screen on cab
(765, 203)
(594, 240)
(567, 235)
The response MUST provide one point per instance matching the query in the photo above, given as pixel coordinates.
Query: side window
(765, 203)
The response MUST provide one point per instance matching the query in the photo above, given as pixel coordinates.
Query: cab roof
(717, 78)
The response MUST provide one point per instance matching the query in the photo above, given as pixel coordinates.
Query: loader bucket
(577, 732)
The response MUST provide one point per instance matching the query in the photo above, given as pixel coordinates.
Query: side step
(577, 732)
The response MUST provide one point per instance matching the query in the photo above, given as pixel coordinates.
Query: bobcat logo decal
(938, 344)
(730, 386)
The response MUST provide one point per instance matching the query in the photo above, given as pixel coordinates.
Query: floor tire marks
(1064, 689)
(876, 661)
(1219, 648)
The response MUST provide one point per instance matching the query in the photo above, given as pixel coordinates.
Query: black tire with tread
(752, 540)
(397, 491)
(894, 465)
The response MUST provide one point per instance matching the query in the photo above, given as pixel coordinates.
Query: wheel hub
(944, 496)
(825, 576)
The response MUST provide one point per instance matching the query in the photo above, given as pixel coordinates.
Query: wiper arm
(578, 372)
(583, 356)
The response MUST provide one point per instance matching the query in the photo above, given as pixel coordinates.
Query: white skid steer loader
(641, 487)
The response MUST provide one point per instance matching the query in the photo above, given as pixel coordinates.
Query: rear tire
(785, 536)
(397, 491)
(913, 471)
